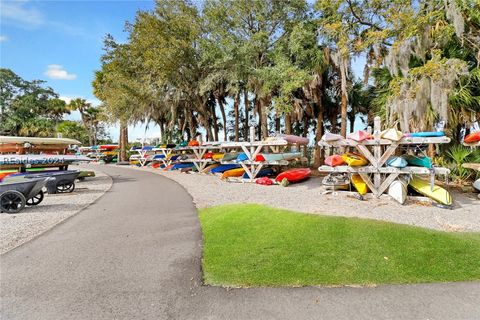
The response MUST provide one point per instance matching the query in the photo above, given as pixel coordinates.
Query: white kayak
(398, 190)
(392, 134)
(37, 141)
(47, 159)
(476, 184)
(328, 137)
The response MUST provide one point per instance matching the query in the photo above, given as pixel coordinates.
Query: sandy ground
(16, 229)
(208, 190)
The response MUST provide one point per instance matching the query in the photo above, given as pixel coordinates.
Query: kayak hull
(354, 159)
(334, 161)
(233, 173)
(437, 194)
(397, 162)
(425, 162)
(398, 191)
(472, 137)
(359, 184)
(294, 175)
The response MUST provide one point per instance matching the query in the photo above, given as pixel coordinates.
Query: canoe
(392, 134)
(359, 136)
(397, 162)
(293, 138)
(426, 134)
(210, 167)
(359, 184)
(334, 160)
(476, 184)
(193, 143)
(12, 159)
(419, 161)
(238, 172)
(178, 166)
(472, 137)
(398, 190)
(437, 193)
(294, 175)
(329, 137)
(265, 172)
(36, 141)
(224, 167)
(267, 157)
(354, 159)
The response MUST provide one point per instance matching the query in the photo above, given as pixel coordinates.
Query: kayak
(359, 136)
(329, 137)
(334, 160)
(294, 175)
(422, 161)
(5, 173)
(438, 193)
(354, 159)
(476, 184)
(108, 147)
(427, 134)
(217, 156)
(392, 134)
(230, 156)
(337, 181)
(359, 184)
(265, 172)
(233, 173)
(210, 167)
(37, 141)
(397, 162)
(178, 166)
(472, 137)
(277, 156)
(398, 190)
(224, 167)
(193, 143)
(293, 138)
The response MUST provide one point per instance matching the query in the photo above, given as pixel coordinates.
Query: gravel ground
(208, 190)
(16, 229)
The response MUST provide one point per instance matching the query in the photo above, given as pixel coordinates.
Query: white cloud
(56, 71)
(66, 99)
(18, 12)
(3, 38)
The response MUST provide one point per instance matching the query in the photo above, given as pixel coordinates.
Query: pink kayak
(293, 139)
(294, 175)
(359, 136)
(334, 161)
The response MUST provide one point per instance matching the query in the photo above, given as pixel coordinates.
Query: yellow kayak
(210, 167)
(233, 173)
(354, 159)
(359, 184)
(218, 156)
(438, 193)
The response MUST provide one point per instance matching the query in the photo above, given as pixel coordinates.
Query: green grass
(253, 245)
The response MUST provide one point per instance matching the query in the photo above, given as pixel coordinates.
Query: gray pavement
(135, 254)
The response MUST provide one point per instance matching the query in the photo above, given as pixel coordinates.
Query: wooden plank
(389, 152)
(384, 142)
(367, 154)
(371, 169)
(368, 181)
(386, 183)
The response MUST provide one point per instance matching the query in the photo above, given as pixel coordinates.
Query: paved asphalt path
(135, 254)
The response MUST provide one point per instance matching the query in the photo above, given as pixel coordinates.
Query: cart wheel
(33, 201)
(12, 201)
(65, 186)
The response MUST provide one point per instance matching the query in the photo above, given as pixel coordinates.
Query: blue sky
(61, 42)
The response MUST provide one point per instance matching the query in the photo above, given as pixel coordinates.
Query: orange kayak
(472, 137)
(334, 161)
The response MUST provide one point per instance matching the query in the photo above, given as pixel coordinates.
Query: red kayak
(294, 175)
(472, 137)
(334, 161)
(193, 143)
(108, 147)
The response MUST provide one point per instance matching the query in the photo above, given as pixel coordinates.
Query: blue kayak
(175, 157)
(419, 161)
(265, 172)
(426, 134)
(242, 157)
(224, 167)
(178, 166)
(158, 156)
(397, 162)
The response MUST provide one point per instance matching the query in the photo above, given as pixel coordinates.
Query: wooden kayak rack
(377, 175)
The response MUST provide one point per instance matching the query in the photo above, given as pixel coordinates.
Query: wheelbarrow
(16, 193)
(63, 180)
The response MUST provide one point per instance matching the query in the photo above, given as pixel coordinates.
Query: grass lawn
(254, 245)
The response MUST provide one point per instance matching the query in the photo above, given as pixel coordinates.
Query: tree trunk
(123, 141)
(343, 128)
(236, 104)
(160, 125)
(352, 123)
(288, 123)
(224, 117)
(264, 117)
(277, 124)
(247, 106)
(215, 123)
(318, 156)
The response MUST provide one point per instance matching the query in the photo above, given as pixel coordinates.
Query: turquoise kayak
(397, 162)
(427, 134)
(421, 161)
